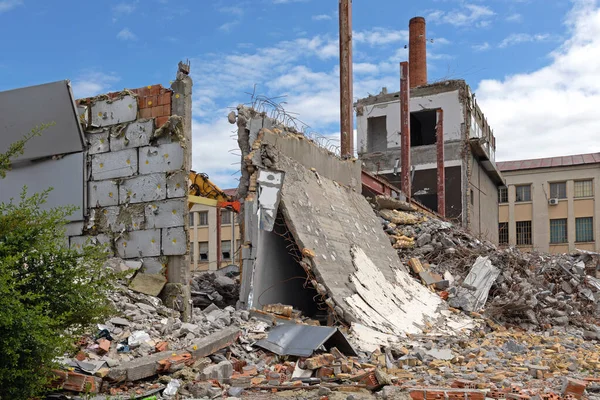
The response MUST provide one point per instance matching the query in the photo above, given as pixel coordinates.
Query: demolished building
(447, 126)
(312, 241)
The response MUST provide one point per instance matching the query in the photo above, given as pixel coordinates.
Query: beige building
(204, 238)
(549, 204)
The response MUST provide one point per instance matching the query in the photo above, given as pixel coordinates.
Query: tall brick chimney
(417, 52)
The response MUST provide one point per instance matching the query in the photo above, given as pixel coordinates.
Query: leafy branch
(18, 148)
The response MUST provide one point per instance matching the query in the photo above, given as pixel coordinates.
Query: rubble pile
(212, 288)
(529, 290)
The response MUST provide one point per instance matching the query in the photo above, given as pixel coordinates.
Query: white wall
(448, 101)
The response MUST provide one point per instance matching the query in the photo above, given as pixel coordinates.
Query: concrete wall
(540, 212)
(448, 101)
(483, 210)
(137, 185)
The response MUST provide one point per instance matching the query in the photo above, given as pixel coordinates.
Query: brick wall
(136, 177)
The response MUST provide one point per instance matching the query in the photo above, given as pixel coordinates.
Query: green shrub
(49, 294)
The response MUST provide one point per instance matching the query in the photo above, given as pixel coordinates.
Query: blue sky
(533, 63)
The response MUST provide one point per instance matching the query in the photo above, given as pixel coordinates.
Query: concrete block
(78, 242)
(143, 188)
(83, 115)
(136, 134)
(154, 265)
(129, 217)
(166, 214)
(74, 228)
(98, 141)
(176, 184)
(136, 244)
(174, 241)
(103, 193)
(163, 158)
(149, 284)
(116, 164)
(112, 112)
(214, 342)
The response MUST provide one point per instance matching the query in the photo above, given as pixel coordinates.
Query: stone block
(136, 134)
(150, 284)
(163, 158)
(143, 188)
(153, 265)
(118, 164)
(176, 184)
(103, 193)
(221, 371)
(74, 228)
(136, 244)
(166, 214)
(214, 342)
(129, 217)
(174, 241)
(112, 112)
(77, 242)
(98, 141)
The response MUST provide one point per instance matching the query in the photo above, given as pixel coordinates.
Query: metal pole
(405, 130)
(346, 108)
(441, 173)
(218, 238)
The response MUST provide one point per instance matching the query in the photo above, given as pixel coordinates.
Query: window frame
(591, 182)
(564, 235)
(519, 233)
(224, 213)
(528, 185)
(503, 227)
(502, 190)
(201, 215)
(192, 221)
(578, 230)
(201, 253)
(226, 244)
(558, 194)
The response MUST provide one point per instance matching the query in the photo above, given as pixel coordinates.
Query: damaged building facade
(471, 178)
(122, 159)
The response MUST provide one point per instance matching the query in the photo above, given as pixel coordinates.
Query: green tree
(49, 294)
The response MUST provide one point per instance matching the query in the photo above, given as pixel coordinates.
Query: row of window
(226, 253)
(584, 231)
(203, 220)
(558, 190)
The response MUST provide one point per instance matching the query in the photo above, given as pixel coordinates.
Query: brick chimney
(417, 52)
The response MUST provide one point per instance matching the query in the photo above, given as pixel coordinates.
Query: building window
(191, 219)
(558, 190)
(523, 233)
(503, 233)
(203, 218)
(584, 188)
(584, 229)
(376, 134)
(522, 193)
(203, 250)
(422, 128)
(558, 231)
(226, 250)
(502, 194)
(225, 217)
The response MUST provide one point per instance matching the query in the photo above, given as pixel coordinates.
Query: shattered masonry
(138, 160)
(340, 248)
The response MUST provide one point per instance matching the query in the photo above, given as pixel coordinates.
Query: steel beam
(377, 185)
(441, 172)
(346, 108)
(405, 130)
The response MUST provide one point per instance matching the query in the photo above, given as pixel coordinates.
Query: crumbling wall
(346, 257)
(138, 163)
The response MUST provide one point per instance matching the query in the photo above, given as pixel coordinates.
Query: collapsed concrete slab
(326, 254)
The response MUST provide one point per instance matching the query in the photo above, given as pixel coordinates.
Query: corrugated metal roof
(563, 161)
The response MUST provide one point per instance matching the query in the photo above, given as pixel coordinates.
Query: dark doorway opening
(422, 128)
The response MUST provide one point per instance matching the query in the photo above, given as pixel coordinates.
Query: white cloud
(516, 17)
(380, 36)
(481, 47)
(238, 11)
(93, 83)
(126, 34)
(517, 38)
(124, 8)
(228, 26)
(468, 15)
(7, 5)
(321, 17)
(553, 110)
